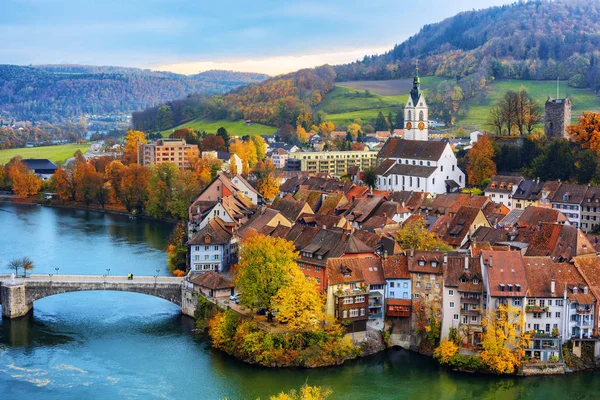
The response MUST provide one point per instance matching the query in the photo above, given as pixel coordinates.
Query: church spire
(415, 93)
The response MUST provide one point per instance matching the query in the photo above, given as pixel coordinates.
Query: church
(415, 163)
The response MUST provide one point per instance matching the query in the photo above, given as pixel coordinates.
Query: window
(206, 256)
(415, 296)
(392, 294)
(197, 248)
(405, 295)
(516, 302)
(559, 303)
(537, 315)
(418, 275)
(432, 277)
(549, 302)
(557, 314)
(216, 247)
(391, 284)
(548, 315)
(317, 269)
(437, 285)
(354, 312)
(465, 319)
(359, 299)
(451, 304)
(428, 286)
(418, 284)
(405, 285)
(542, 303)
(450, 292)
(348, 300)
(362, 312)
(531, 302)
(536, 327)
(456, 316)
(345, 314)
(475, 281)
(206, 248)
(473, 318)
(216, 257)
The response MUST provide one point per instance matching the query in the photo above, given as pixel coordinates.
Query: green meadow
(57, 154)
(234, 128)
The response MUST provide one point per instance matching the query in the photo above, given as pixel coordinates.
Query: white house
(502, 188)
(243, 186)
(213, 248)
(418, 165)
(279, 157)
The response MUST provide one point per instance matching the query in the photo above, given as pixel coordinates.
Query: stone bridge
(17, 295)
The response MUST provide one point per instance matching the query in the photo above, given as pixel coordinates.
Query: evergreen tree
(381, 123)
(390, 121)
(222, 132)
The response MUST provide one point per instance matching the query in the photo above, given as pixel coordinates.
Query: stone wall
(543, 369)
(14, 302)
(189, 301)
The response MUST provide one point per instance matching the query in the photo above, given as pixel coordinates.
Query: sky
(190, 36)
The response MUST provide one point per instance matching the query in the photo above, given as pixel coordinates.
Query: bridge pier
(14, 301)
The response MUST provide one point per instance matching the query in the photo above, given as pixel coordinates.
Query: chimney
(412, 253)
(445, 258)
(491, 255)
(466, 261)
(447, 225)
(552, 286)
(585, 290)
(198, 210)
(384, 215)
(385, 254)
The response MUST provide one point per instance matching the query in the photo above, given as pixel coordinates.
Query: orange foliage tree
(587, 131)
(480, 165)
(24, 182)
(63, 183)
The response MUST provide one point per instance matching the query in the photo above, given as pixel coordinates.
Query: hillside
(60, 93)
(526, 40)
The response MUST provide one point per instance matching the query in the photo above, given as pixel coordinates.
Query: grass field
(583, 99)
(234, 128)
(348, 100)
(57, 154)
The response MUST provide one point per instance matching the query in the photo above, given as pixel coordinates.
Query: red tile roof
(505, 268)
(396, 267)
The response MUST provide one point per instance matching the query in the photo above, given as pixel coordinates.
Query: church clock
(421, 125)
(408, 125)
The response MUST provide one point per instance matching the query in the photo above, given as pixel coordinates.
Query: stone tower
(416, 113)
(557, 118)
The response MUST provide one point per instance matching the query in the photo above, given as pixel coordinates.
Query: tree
(555, 162)
(587, 131)
(232, 166)
(480, 164)
(24, 182)
(299, 303)
(177, 250)
(260, 145)
(132, 140)
(27, 265)
(213, 143)
(87, 182)
(326, 128)
(188, 134)
(306, 393)
(63, 183)
(381, 123)
(504, 339)
(15, 264)
(414, 235)
(496, 119)
(222, 133)
(266, 265)
(446, 351)
(369, 177)
(133, 188)
(354, 129)
(301, 134)
(160, 189)
(266, 182)
(587, 167)
(114, 174)
(164, 118)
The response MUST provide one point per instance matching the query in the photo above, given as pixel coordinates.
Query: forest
(525, 40)
(63, 93)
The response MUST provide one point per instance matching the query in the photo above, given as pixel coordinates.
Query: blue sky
(272, 36)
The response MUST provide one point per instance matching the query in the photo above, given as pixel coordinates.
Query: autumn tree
(266, 265)
(177, 250)
(267, 183)
(326, 128)
(62, 181)
(480, 165)
(414, 235)
(305, 393)
(233, 166)
(24, 182)
(134, 188)
(246, 150)
(299, 303)
(504, 339)
(132, 140)
(114, 175)
(186, 187)
(587, 131)
(188, 134)
(213, 143)
(87, 182)
(160, 189)
(354, 129)
(260, 145)
(301, 134)
(446, 351)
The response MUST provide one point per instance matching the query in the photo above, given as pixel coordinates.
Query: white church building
(414, 163)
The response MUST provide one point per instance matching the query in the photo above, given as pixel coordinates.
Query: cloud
(272, 65)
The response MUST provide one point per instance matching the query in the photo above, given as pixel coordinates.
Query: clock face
(421, 125)
(408, 125)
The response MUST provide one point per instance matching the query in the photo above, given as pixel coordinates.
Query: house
(502, 188)
(360, 210)
(590, 209)
(348, 294)
(291, 208)
(278, 157)
(324, 221)
(426, 271)
(332, 201)
(397, 286)
(219, 188)
(265, 221)
(42, 168)
(463, 299)
(235, 209)
(589, 268)
(290, 148)
(212, 284)
(568, 199)
(226, 158)
(312, 197)
(418, 165)
(559, 302)
(334, 162)
(504, 278)
(374, 278)
(247, 189)
(456, 230)
(213, 248)
(561, 242)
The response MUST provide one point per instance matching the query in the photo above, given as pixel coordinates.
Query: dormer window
(475, 281)
(421, 263)
(434, 264)
(518, 288)
(510, 287)
(566, 197)
(585, 290)
(502, 287)
(575, 288)
(463, 280)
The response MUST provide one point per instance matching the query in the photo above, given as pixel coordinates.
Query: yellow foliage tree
(299, 303)
(354, 129)
(305, 393)
(260, 145)
(232, 166)
(504, 339)
(414, 235)
(301, 133)
(132, 139)
(446, 351)
(326, 128)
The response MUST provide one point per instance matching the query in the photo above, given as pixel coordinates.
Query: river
(113, 345)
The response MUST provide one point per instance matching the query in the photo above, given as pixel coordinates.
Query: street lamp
(107, 271)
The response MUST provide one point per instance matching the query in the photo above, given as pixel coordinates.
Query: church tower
(416, 112)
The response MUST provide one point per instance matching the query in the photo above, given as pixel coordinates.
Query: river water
(113, 345)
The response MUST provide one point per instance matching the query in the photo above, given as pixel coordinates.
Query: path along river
(112, 345)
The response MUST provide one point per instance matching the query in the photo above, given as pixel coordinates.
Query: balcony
(584, 310)
(536, 309)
